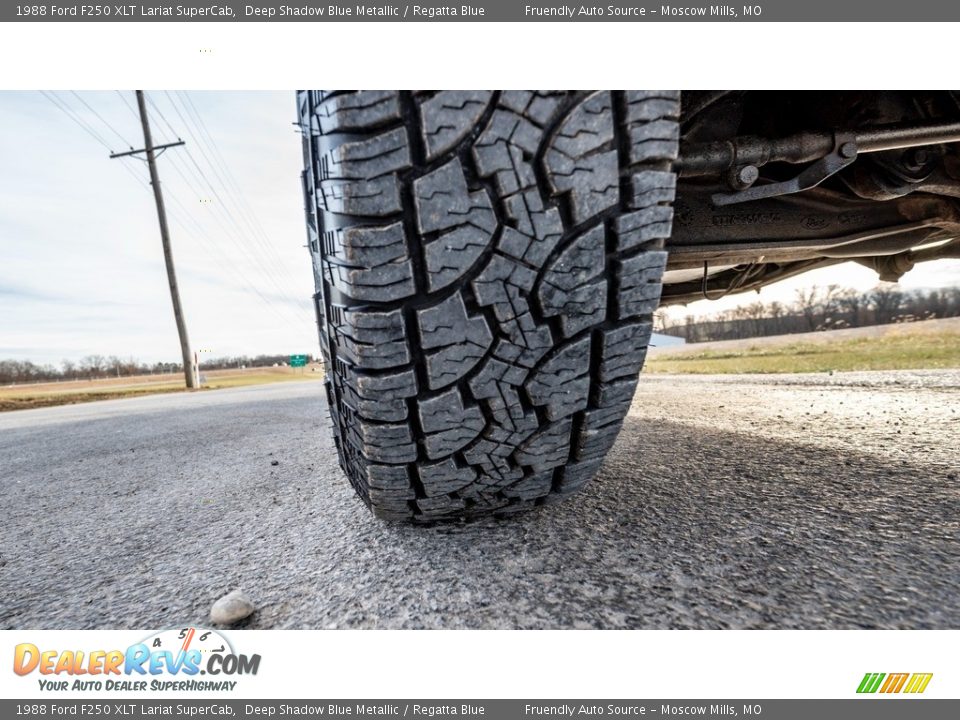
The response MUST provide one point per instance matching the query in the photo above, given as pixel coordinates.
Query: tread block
(539, 106)
(596, 437)
(623, 349)
(503, 285)
(368, 158)
(369, 262)
(441, 505)
(655, 140)
(587, 127)
(371, 340)
(617, 394)
(494, 373)
(543, 106)
(639, 290)
(361, 110)
(378, 397)
(574, 286)
(448, 116)
(464, 220)
(562, 382)
(386, 442)
(388, 479)
(516, 100)
(613, 403)
(643, 226)
(444, 477)
(581, 160)
(536, 230)
(573, 477)
(448, 425)
(383, 409)
(502, 147)
(375, 198)
(652, 187)
(462, 340)
(491, 458)
(647, 105)
(510, 426)
(601, 426)
(547, 448)
(531, 487)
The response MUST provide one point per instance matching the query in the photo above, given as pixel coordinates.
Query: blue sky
(81, 267)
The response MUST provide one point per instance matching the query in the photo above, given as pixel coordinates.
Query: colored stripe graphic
(918, 682)
(894, 682)
(870, 682)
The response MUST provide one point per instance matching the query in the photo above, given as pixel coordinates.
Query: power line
(215, 150)
(66, 110)
(163, 118)
(129, 106)
(211, 143)
(239, 201)
(270, 273)
(198, 175)
(228, 256)
(240, 239)
(212, 249)
(94, 135)
(100, 117)
(210, 246)
(284, 310)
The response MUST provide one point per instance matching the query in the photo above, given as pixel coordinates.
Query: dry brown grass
(22, 397)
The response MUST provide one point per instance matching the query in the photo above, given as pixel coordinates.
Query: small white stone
(231, 608)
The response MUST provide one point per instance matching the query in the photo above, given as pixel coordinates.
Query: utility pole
(189, 361)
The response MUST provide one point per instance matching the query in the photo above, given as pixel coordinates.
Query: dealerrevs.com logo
(169, 660)
(910, 683)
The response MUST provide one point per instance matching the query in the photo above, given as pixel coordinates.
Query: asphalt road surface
(728, 502)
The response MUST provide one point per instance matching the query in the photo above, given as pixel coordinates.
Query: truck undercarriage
(773, 184)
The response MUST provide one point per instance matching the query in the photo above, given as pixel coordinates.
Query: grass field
(892, 351)
(22, 397)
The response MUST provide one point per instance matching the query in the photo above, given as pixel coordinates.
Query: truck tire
(487, 265)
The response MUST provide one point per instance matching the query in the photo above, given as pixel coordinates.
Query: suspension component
(716, 158)
(738, 161)
(843, 153)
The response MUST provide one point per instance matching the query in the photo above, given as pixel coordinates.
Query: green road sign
(298, 360)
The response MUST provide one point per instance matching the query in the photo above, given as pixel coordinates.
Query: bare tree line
(815, 309)
(93, 367)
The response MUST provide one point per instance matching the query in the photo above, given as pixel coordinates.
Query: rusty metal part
(891, 268)
(715, 158)
(843, 153)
